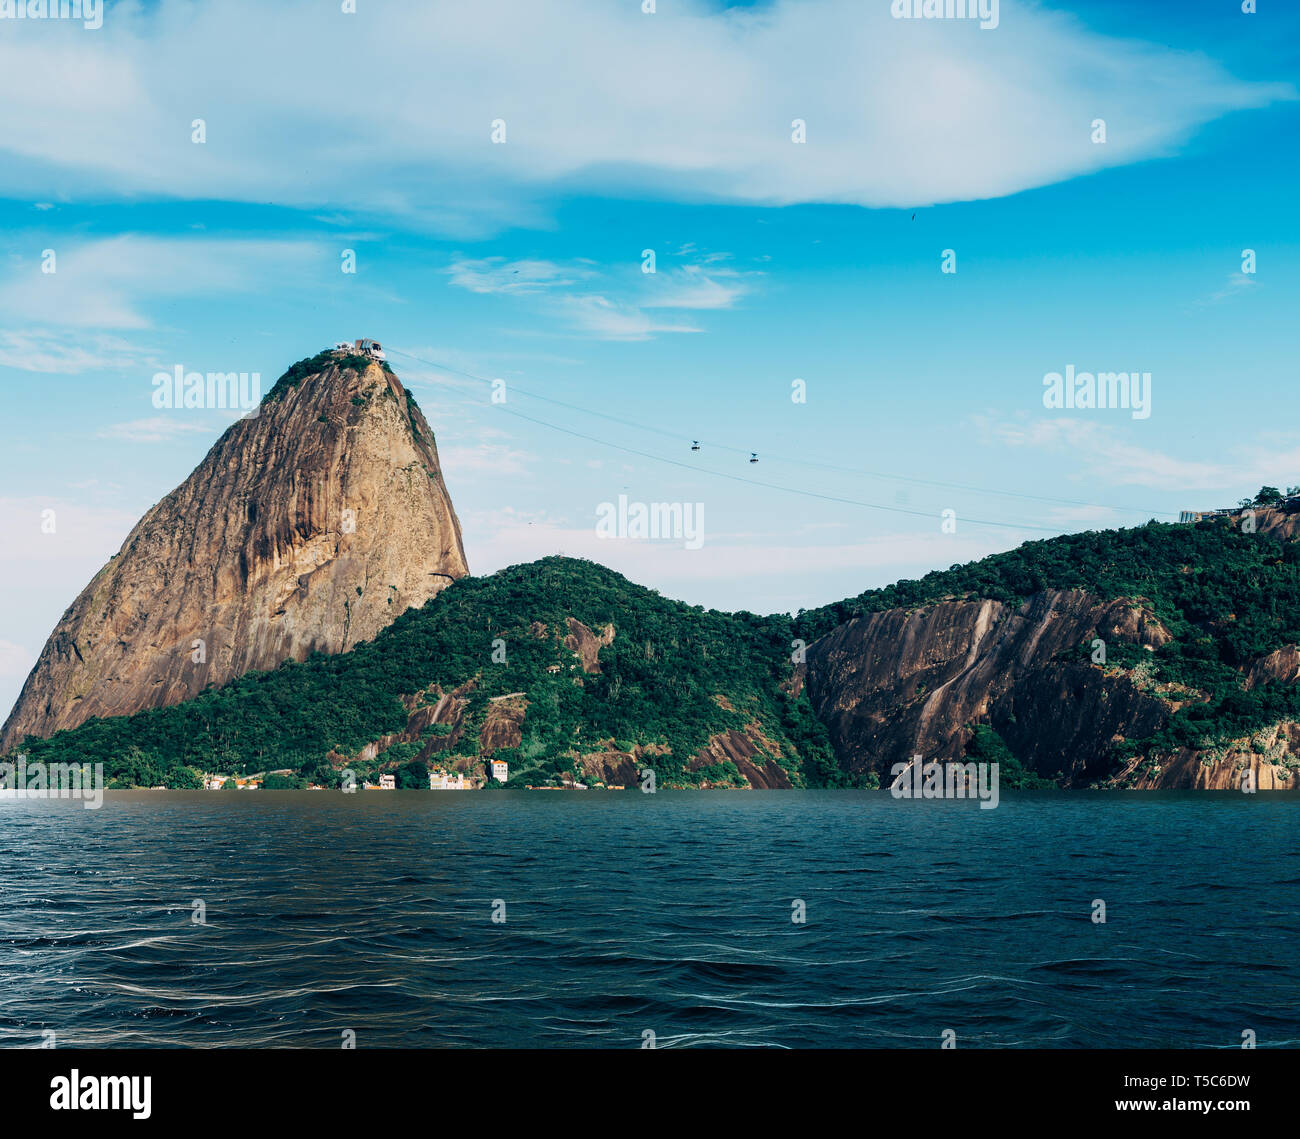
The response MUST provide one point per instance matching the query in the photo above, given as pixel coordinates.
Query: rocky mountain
(307, 528)
(1159, 656)
(1163, 656)
(906, 682)
(562, 668)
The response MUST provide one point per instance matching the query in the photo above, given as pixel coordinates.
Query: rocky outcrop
(1280, 667)
(742, 749)
(503, 725)
(308, 528)
(899, 683)
(1281, 524)
(1268, 761)
(587, 644)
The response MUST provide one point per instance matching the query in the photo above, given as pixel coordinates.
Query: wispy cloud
(694, 287)
(103, 283)
(505, 537)
(497, 275)
(484, 459)
(1236, 284)
(58, 353)
(611, 305)
(606, 319)
(1107, 458)
(155, 429)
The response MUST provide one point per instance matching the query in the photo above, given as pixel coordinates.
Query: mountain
(561, 667)
(1159, 656)
(307, 528)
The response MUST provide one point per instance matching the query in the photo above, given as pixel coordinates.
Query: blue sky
(775, 261)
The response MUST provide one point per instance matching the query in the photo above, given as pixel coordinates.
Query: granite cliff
(308, 527)
(1177, 668)
(1155, 656)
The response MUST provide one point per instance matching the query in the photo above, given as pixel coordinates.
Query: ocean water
(670, 914)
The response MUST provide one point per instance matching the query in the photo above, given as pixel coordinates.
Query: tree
(1268, 495)
(413, 776)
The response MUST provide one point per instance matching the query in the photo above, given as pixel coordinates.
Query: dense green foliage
(311, 365)
(1227, 597)
(657, 685)
(986, 746)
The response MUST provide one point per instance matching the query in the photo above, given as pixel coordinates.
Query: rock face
(307, 528)
(905, 682)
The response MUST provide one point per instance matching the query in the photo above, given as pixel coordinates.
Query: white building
(500, 770)
(388, 783)
(371, 348)
(447, 781)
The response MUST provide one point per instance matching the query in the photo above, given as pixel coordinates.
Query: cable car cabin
(371, 348)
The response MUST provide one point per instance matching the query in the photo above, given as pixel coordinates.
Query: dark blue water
(671, 913)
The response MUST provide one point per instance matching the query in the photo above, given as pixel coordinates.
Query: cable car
(695, 445)
(753, 456)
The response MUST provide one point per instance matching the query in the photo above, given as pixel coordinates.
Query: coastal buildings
(447, 781)
(499, 770)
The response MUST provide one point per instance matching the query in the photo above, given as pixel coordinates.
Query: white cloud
(497, 275)
(605, 319)
(99, 284)
(499, 538)
(626, 316)
(483, 459)
(54, 353)
(1107, 458)
(47, 570)
(155, 429)
(694, 103)
(692, 288)
(1235, 284)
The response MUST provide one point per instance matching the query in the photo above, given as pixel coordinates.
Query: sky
(807, 174)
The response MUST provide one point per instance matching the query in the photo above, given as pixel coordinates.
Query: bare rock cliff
(903, 682)
(307, 528)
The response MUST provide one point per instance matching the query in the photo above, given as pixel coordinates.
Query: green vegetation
(657, 685)
(986, 746)
(310, 365)
(1227, 598)
(412, 408)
